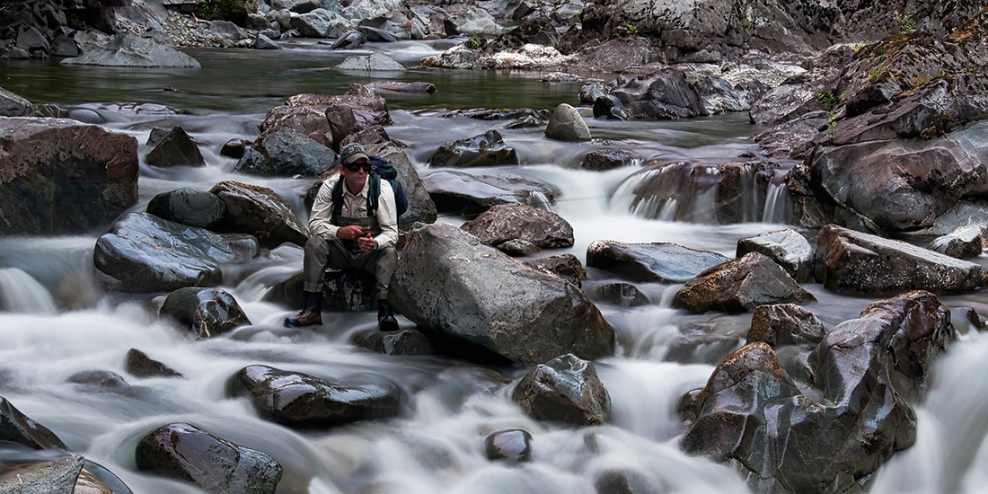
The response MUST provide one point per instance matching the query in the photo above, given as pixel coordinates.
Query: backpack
(380, 168)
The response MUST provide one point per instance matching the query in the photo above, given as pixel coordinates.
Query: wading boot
(311, 313)
(386, 317)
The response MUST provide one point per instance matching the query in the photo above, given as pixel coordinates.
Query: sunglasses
(356, 166)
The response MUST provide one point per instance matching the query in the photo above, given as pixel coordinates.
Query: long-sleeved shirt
(355, 206)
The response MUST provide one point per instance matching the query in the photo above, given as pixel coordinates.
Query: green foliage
(632, 29)
(831, 126)
(874, 74)
(221, 9)
(474, 42)
(907, 22)
(827, 99)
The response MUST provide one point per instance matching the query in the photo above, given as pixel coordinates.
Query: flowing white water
(20, 293)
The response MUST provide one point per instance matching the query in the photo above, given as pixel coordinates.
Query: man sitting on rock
(348, 234)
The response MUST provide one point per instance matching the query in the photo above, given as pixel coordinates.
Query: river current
(57, 321)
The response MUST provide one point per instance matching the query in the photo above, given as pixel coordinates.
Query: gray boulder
(91, 171)
(263, 42)
(189, 206)
(368, 108)
(301, 400)
(399, 87)
(566, 124)
(740, 285)
(12, 105)
(228, 30)
(962, 243)
(373, 62)
(786, 247)
(564, 389)
(176, 148)
(470, 195)
(652, 262)
(785, 324)
(469, 20)
(866, 371)
(56, 477)
(513, 221)
(665, 95)
(31, 40)
(283, 151)
(184, 452)
(421, 208)
(314, 24)
(133, 256)
(205, 312)
(306, 120)
(448, 282)
(127, 50)
(18, 428)
(487, 149)
(850, 261)
(261, 212)
(606, 159)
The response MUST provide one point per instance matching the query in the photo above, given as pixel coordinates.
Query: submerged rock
(206, 312)
(607, 159)
(301, 400)
(621, 294)
(487, 149)
(740, 285)
(449, 283)
(184, 452)
(513, 445)
(92, 171)
(850, 261)
(564, 389)
(652, 262)
(513, 221)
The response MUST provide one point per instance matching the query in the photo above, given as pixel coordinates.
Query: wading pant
(320, 254)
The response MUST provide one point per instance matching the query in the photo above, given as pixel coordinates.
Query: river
(58, 321)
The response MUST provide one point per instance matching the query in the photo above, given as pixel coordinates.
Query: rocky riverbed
(870, 150)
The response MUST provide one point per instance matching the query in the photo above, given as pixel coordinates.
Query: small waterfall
(538, 199)
(749, 195)
(668, 212)
(705, 203)
(20, 293)
(776, 204)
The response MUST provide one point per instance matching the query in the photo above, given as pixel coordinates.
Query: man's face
(355, 174)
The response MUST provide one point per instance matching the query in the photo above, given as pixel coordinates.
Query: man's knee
(316, 244)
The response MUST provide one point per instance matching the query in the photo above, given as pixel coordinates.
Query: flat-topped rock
(651, 262)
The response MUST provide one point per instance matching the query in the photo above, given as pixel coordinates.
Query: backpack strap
(373, 193)
(337, 200)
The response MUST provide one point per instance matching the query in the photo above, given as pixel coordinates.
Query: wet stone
(513, 445)
(55, 477)
(402, 342)
(234, 148)
(99, 378)
(651, 262)
(206, 312)
(138, 363)
(487, 149)
(18, 428)
(565, 389)
(189, 206)
(607, 159)
(565, 266)
(519, 248)
(785, 324)
(621, 294)
(176, 148)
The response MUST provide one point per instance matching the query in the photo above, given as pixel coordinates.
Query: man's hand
(351, 232)
(367, 243)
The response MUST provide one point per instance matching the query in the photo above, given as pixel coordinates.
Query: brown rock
(740, 285)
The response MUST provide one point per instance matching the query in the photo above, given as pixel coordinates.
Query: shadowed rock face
(18, 428)
(565, 389)
(865, 370)
(850, 261)
(91, 173)
(450, 283)
(261, 212)
(184, 452)
(301, 400)
(740, 285)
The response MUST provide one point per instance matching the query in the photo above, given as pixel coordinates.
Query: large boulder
(205, 312)
(469, 20)
(564, 389)
(176, 148)
(261, 212)
(420, 205)
(184, 452)
(18, 428)
(566, 124)
(850, 261)
(306, 120)
(865, 369)
(127, 50)
(487, 149)
(368, 108)
(470, 195)
(659, 262)
(60, 176)
(740, 285)
(372, 62)
(144, 253)
(189, 206)
(285, 152)
(450, 283)
(514, 221)
(301, 400)
(12, 105)
(785, 324)
(786, 247)
(665, 95)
